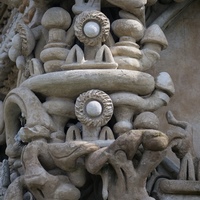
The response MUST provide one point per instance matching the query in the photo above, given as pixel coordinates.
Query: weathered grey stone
(77, 114)
(146, 120)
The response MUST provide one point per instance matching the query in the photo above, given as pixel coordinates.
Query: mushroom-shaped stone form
(56, 17)
(128, 28)
(154, 39)
(57, 21)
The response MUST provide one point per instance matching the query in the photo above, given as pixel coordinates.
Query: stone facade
(86, 90)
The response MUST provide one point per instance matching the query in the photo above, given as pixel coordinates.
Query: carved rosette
(94, 108)
(27, 39)
(92, 27)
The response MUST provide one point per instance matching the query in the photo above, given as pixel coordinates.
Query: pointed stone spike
(106, 134)
(73, 133)
(75, 55)
(104, 55)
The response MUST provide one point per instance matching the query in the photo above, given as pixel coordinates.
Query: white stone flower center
(94, 109)
(91, 29)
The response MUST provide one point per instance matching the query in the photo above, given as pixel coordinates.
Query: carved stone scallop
(92, 20)
(94, 108)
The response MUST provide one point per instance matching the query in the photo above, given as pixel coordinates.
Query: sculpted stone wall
(181, 61)
(82, 93)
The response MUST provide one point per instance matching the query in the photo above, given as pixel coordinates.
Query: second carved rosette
(94, 108)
